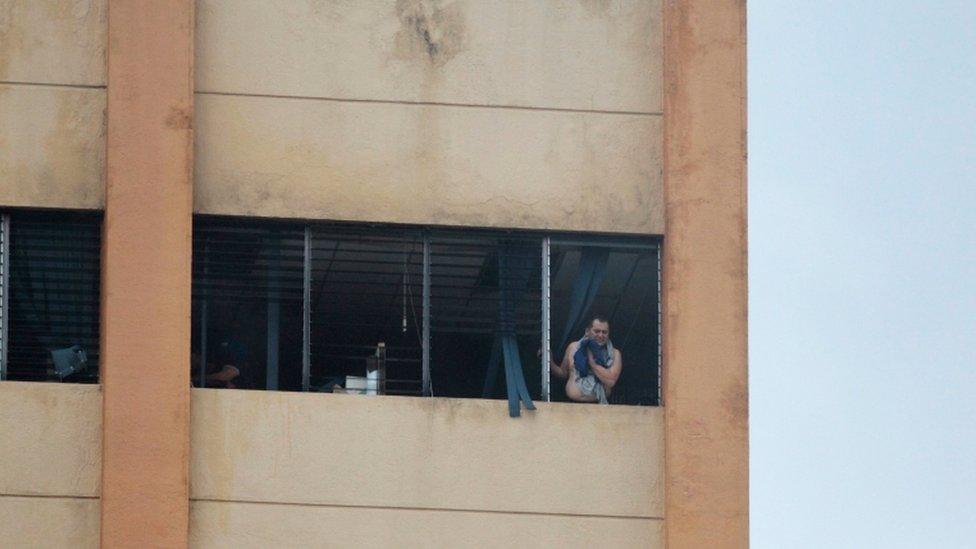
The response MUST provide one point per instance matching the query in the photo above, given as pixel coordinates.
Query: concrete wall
(506, 114)
(341, 469)
(602, 55)
(427, 164)
(511, 114)
(289, 469)
(50, 463)
(52, 103)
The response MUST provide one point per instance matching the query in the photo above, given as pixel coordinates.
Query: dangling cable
(406, 255)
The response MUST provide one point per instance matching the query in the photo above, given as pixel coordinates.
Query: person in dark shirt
(224, 369)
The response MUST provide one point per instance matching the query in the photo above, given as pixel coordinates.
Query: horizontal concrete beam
(298, 158)
(51, 437)
(258, 525)
(49, 522)
(555, 54)
(460, 454)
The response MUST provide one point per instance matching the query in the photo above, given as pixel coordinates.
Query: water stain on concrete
(11, 37)
(430, 30)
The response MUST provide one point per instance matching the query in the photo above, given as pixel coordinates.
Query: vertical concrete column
(705, 380)
(146, 275)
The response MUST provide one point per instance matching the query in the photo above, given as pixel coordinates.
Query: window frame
(428, 235)
(4, 291)
(20, 224)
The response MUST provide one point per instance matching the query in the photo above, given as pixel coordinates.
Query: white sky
(862, 205)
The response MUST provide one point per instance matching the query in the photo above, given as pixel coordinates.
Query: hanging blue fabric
(589, 277)
(601, 355)
(513, 275)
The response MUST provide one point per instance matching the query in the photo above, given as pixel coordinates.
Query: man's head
(599, 330)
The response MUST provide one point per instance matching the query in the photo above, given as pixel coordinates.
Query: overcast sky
(862, 205)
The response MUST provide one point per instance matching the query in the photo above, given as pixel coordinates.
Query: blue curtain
(514, 269)
(589, 277)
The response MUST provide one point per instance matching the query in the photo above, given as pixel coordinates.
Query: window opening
(366, 310)
(618, 280)
(379, 309)
(248, 287)
(485, 322)
(50, 296)
(4, 272)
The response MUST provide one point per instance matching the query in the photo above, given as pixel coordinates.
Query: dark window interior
(627, 296)
(365, 289)
(482, 285)
(53, 296)
(247, 303)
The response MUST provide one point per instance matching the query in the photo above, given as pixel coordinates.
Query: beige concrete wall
(310, 467)
(52, 146)
(428, 164)
(52, 103)
(509, 114)
(53, 41)
(48, 522)
(50, 451)
(504, 155)
(51, 439)
(590, 55)
(259, 525)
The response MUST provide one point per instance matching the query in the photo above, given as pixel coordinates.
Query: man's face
(600, 331)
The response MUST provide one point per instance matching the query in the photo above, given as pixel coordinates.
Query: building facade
(316, 191)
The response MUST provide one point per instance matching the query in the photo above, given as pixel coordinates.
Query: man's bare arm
(226, 373)
(607, 376)
(563, 369)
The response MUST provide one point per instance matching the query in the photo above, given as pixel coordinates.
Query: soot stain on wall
(430, 30)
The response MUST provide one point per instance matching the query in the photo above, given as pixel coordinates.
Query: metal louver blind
(483, 284)
(4, 271)
(303, 306)
(468, 274)
(247, 300)
(366, 288)
(628, 297)
(51, 289)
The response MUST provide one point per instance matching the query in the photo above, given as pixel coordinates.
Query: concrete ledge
(424, 164)
(48, 522)
(429, 453)
(243, 525)
(50, 439)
